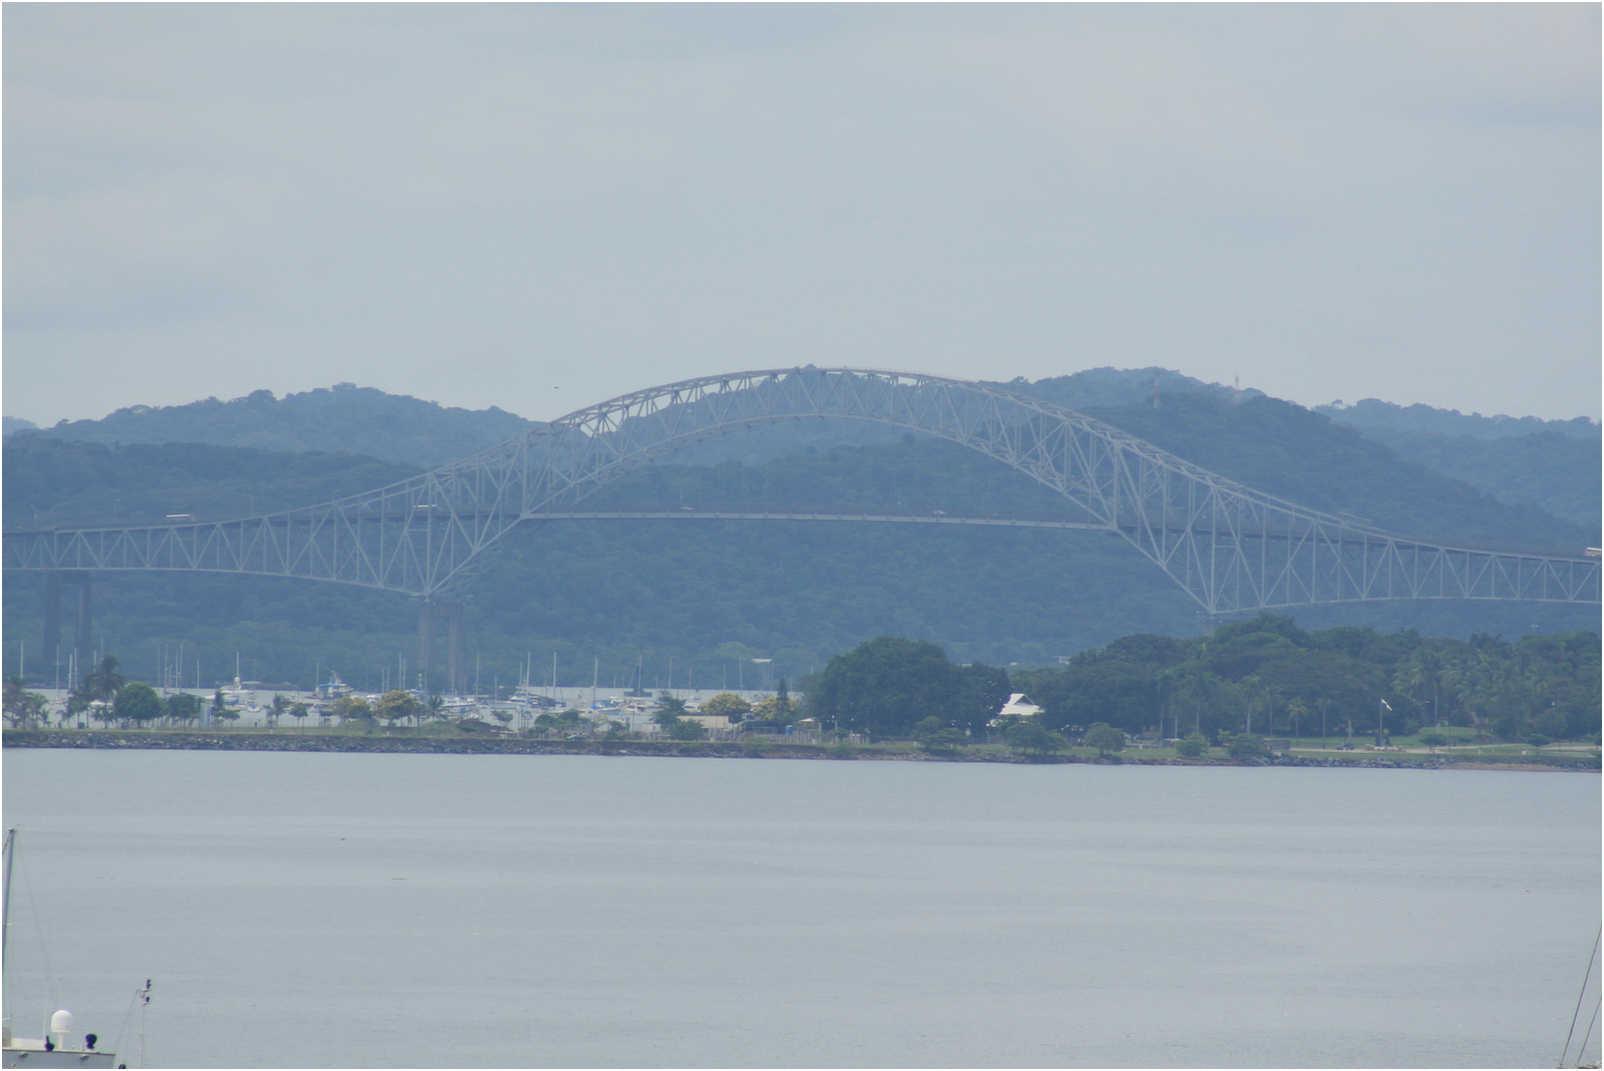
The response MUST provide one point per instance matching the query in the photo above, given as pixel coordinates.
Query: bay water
(333, 910)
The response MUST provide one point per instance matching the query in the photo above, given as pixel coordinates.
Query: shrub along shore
(1513, 757)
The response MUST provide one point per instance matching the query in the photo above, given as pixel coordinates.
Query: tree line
(1263, 676)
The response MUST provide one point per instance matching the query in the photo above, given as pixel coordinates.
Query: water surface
(309, 910)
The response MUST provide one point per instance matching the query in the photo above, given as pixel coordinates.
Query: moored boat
(60, 1046)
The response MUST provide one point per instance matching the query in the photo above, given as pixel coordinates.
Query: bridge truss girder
(1228, 546)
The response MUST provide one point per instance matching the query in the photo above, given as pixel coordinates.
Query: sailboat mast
(5, 909)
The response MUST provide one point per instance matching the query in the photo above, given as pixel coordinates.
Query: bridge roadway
(688, 514)
(18, 540)
(1227, 546)
(682, 514)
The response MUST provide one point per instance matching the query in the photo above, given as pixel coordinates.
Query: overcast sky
(541, 207)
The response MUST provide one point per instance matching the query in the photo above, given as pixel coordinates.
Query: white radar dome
(61, 1022)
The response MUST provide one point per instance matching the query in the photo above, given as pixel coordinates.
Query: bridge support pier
(425, 642)
(454, 647)
(52, 637)
(451, 614)
(84, 650)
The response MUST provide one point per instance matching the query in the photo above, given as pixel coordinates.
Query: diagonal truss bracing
(1229, 547)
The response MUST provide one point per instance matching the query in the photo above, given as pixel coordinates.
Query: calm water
(387, 910)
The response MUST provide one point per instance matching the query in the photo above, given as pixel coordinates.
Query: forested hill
(1125, 388)
(1335, 454)
(1263, 442)
(1375, 416)
(1281, 448)
(1553, 465)
(709, 594)
(1341, 473)
(56, 483)
(341, 419)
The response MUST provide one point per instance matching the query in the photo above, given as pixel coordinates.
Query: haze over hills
(56, 483)
(1373, 415)
(341, 419)
(1498, 454)
(708, 593)
(1271, 438)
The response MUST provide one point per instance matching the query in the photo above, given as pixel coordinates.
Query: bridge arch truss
(1229, 547)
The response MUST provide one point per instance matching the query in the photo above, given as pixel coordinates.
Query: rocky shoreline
(94, 739)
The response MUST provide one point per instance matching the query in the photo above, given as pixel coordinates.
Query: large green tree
(396, 706)
(352, 708)
(1031, 737)
(884, 686)
(668, 706)
(1246, 746)
(136, 703)
(183, 707)
(728, 704)
(22, 707)
(1105, 738)
(932, 734)
(981, 692)
(103, 681)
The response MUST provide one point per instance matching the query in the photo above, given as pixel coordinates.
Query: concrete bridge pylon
(450, 613)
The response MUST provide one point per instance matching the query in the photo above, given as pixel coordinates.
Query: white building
(1018, 706)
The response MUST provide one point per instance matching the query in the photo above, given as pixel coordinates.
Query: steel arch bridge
(1227, 546)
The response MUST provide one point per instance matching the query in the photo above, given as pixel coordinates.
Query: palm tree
(1255, 693)
(21, 705)
(103, 682)
(1296, 709)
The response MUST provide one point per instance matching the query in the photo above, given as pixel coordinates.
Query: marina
(517, 711)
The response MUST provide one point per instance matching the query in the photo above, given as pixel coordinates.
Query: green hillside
(55, 483)
(1517, 461)
(1373, 415)
(1570, 466)
(340, 419)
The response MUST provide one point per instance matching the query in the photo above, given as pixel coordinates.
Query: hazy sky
(540, 207)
